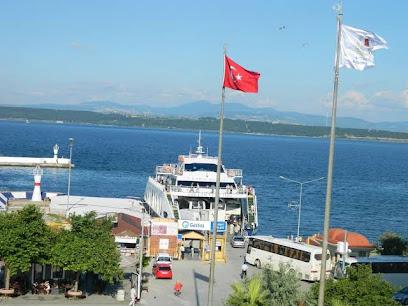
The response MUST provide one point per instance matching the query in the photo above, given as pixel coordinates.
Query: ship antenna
(200, 147)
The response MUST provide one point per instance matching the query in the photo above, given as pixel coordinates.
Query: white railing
(209, 191)
(234, 172)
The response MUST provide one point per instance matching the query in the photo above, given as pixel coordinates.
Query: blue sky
(170, 53)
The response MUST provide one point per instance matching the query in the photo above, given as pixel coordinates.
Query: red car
(162, 271)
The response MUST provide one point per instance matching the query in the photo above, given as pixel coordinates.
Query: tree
(248, 292)
(392, 244)
(88, 247)
(25, 239)
(280, 288)
(283, 286)
(360, 288)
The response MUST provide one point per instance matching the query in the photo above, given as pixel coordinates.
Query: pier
(49, 162)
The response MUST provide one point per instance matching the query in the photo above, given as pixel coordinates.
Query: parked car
(162, 271)
(402, 296)
(162, 258)
(238, 242)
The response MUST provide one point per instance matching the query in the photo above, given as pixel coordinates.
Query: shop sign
(221, 226)
(194, 225)
(164, 228)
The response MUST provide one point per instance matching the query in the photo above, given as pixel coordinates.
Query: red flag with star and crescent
(238, 78)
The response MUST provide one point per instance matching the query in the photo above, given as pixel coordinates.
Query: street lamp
(299, 206)
(141, 247)
(71, 144)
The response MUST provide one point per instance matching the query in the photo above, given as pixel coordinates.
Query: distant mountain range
(232, 110)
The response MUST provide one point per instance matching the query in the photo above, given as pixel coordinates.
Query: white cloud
(391, 99)
(353, 99)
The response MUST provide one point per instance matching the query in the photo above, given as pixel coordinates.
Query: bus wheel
(258, 263)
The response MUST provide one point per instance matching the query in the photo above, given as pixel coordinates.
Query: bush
(361, 288)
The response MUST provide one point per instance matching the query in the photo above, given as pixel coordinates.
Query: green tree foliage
(283, 286)
(248, 292)
(88, 247)
(361, 288)
(24, 239)
(392, 244)
(270, 288)
(206, 123)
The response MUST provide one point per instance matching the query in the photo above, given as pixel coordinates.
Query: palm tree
(248, 292)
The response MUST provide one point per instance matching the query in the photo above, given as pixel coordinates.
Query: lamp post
(299, 206)
(71, 144)
(139, 279)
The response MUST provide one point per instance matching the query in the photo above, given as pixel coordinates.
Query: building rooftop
(354, 239)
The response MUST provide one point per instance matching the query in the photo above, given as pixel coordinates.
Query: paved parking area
(194, 277)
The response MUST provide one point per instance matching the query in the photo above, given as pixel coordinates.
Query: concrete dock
(49, 162)
(34, 161)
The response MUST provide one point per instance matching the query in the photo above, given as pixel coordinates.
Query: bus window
(319, 256)
(282, 250)
(266, 246)
(305, 256)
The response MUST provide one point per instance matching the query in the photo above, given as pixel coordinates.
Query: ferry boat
(186, 191)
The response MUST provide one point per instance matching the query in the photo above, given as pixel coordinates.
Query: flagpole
(217, 198)
(331, 161)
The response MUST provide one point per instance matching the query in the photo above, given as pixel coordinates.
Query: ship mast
(200, 149)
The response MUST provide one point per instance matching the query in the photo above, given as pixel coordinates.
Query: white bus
(303, 258)
(393, 269)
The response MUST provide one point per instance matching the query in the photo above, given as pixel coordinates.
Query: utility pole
(139, 279)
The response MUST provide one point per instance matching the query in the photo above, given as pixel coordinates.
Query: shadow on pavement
(202, 278)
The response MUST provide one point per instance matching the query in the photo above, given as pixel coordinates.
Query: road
(194, 277)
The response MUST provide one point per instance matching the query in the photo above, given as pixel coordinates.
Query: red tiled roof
(354, 239)
(128, 225)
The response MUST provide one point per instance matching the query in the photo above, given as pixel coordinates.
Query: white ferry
(186, 191)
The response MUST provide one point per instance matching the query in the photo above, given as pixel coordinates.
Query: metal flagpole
(331, 160)
(217, 199)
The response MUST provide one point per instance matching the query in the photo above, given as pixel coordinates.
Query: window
(201, 167)
(319, 256)
(282, 250)
(195, 184)
(57, 272)
(164, 268)
(305, 256)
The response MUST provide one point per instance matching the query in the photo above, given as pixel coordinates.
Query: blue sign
(179, 237)
(221, 226)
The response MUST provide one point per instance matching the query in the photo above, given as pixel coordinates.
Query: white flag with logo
(357, 47)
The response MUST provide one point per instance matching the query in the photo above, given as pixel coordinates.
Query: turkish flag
(238, 78)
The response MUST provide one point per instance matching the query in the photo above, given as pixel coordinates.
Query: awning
(193, 235)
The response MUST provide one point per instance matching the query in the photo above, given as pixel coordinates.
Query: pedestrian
(244, 269)
(182, 250)
(47, 287)
(132, 297)
(177, 288)
(231, 229)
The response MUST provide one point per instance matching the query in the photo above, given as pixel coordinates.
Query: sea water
(370, 193)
